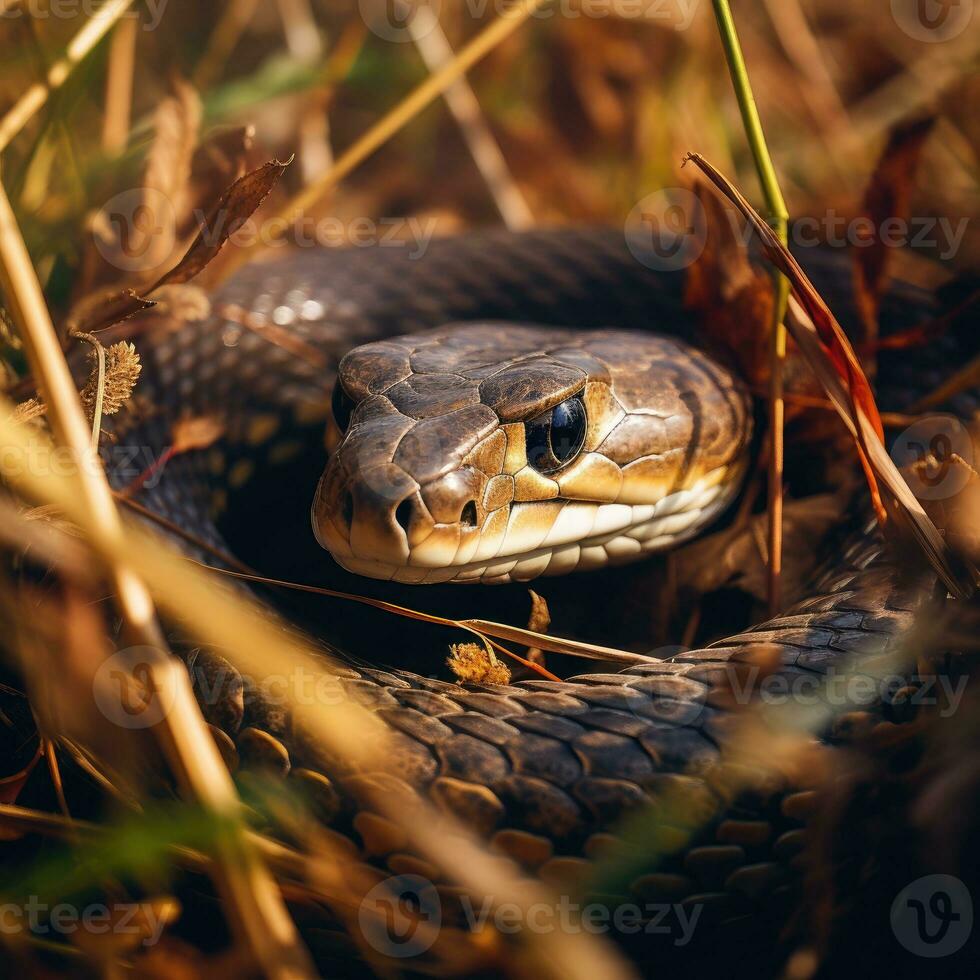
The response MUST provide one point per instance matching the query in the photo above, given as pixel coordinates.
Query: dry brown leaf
(887, 199)
(197, 432)
(833, 341)
(733, 299)
(235, 207)
(100, 310)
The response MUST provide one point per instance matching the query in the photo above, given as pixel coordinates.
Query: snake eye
(342, 406)
(556, 437)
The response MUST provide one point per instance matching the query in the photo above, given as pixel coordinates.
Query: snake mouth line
(572, 543)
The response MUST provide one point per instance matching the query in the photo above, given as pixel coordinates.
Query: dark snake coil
(547, 771)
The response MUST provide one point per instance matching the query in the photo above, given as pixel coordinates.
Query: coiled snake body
(445, 474)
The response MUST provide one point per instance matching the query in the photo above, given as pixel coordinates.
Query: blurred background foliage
(592, 112)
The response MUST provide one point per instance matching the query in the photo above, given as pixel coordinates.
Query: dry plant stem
(79, 46)
(100, 384)
(54, 770)
(779, 219)
(261, 917)
(119, 86)
(239, 868)
(498, 30)
(436, 52)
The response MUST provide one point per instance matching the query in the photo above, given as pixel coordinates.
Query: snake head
(494, 452)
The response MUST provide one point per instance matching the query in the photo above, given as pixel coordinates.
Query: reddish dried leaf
(832, 337)
(733, 299)
(887, 199)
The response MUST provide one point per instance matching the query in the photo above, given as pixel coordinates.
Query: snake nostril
(347, 508)
(403, 514)
(467, 516)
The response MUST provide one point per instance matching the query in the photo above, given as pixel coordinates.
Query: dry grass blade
(555, 644)
(260, 915)
(958, 575)
(81, 44)
(829, 353)
(42, 542)
(480, 627)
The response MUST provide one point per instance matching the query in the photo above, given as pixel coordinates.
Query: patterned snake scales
(500, 451)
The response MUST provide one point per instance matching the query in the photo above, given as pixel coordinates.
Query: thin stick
(436, 52)
(261, 916)
(509, 20)
(79, 46)
(96, 344)
(779, 219)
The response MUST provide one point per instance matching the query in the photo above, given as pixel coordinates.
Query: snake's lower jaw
(527, 540)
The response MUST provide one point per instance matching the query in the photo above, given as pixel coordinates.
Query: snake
(502, 407)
